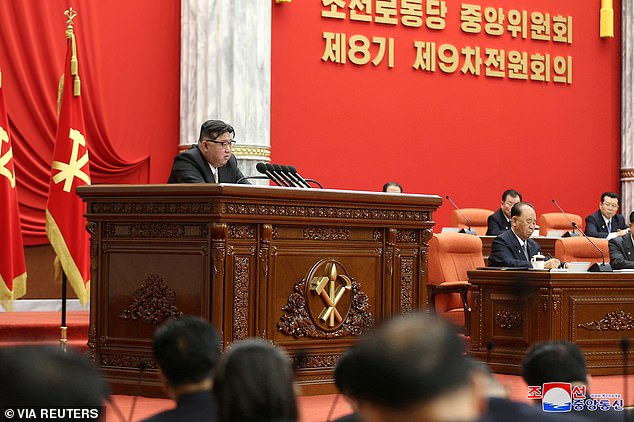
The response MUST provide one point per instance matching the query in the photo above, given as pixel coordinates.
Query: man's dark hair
(409, 360)
(611, 195)
(46, 376)
(517, 209)
(187, 349)
(212, 129)
(254, 381)
(557, 361)
(388, 184)
(632, 217)
(512, 193)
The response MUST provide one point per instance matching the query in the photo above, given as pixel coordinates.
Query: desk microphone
(250, 177)
(261, 167)
(596, 267)
(280, 172)
(568, 233)
(463, 230)
(279, 178)
(294, 172)
(287, 172)
(143, 365)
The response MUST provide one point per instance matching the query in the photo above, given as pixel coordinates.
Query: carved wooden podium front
(307, 269)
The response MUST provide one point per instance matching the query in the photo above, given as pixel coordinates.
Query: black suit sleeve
(618, 258)
(502, 255)
(592, 228)
(185, 170)
(493, 228)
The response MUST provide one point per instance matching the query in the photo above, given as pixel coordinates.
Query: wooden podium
(513, 310)
(307, 269)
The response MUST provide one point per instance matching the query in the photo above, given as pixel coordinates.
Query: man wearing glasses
(210, 160)
(606, 223)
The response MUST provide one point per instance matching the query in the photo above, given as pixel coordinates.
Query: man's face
(217, 151)
(609, 207)
(524, 224)
(508, 203)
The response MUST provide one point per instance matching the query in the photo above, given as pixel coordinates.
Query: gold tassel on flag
(70, 34)
(606, 27)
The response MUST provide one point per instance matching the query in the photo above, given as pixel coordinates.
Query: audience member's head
(510, 197)
(392, 187)
(187, 349)
(411, 368)
(631, 219)
(523, 220)
(255, 382)
(46, 376)
(609, 204)
(557, 361)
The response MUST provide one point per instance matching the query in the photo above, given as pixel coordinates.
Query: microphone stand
(596, 267)
(463, 230)
(568, 233)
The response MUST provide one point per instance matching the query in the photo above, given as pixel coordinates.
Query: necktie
(610, 226)
(215, 175)
(525, 247)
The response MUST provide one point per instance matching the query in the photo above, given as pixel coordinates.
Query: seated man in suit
(622, 249)
(500, 221)
(210, 160)
(514, 248)
(606, 223)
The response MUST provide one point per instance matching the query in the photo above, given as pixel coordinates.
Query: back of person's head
(407, 361)
(254, 381)
(212, 129)
(187, 349)
(46, 376)
(557, 361)
(512, 193)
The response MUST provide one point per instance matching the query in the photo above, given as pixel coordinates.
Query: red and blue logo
(557, 397)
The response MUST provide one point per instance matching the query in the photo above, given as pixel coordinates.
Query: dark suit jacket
(191, 167)
(497, 223)
(504, 410)
(507, 252)
(194, 407)
(621, 252)
(595, 225)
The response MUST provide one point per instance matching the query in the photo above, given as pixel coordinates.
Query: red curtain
(128, 55)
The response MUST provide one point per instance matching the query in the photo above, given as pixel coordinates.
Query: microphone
(596, 267)
(261, 167)
(568, 233)
(250, 177)
(294, 172)
(287, 172)
(463, 230)
(279, 178)
(143, 365)
(279, 171)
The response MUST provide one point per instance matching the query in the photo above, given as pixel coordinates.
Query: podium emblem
(328, 294)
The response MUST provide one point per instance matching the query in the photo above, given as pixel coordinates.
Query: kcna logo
(564, 397)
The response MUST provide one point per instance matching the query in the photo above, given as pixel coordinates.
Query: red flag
(12, 267)
(65, 221)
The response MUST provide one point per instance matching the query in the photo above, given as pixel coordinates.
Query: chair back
(477, 216)
(557, 221)
(570, 249)
(451, 255)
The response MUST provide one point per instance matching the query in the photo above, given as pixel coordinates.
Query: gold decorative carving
(426, 234)
(241, 231)
(152, 207)
(612, 321)
(320, 361)
(150, 230)
(127, 361)
(91, 228)
(299, 322)
(241, 298)
(326, 233)
(331, 289)
(251, 151)
(403, 236)
(377, 235)
(153, 302)
(509, 319)
(407, 284)
(92, 342)
(627, 173)
(323, 212)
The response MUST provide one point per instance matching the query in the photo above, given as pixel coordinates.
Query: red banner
(65, 222)
(12, 266)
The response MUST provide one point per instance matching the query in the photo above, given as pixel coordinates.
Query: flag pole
(63, 329)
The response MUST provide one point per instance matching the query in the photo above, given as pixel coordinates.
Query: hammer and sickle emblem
(331, 289)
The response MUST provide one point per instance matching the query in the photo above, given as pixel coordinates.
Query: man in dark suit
(622, 249)
(210, 160)
(500, 221)
(187, 350)
(514, 247)
(606, 223)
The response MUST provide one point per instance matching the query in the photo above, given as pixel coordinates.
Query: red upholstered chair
(477, 216)
(450, 256)
(557, 221)
(571, 249)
